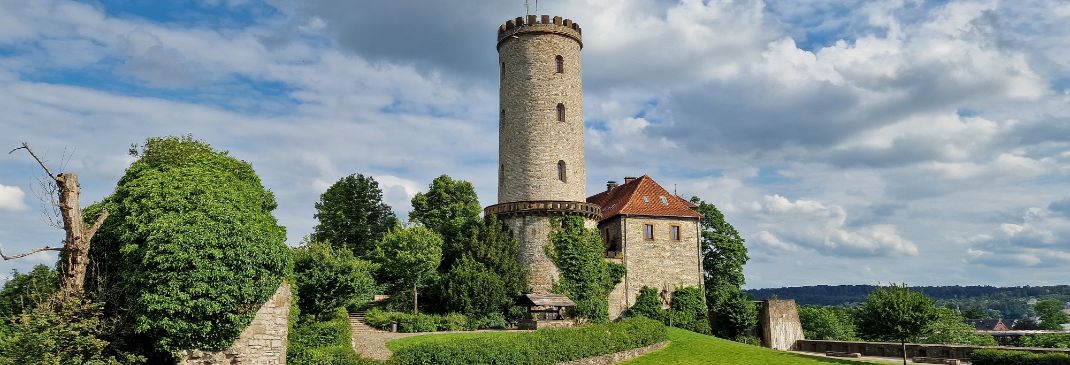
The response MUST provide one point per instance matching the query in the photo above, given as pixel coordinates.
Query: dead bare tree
(76, 243)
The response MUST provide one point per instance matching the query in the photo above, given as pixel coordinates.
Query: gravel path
(370, 342)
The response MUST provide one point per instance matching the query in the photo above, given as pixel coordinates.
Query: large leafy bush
(329, 278)
(191, 249)
(548, 346)
(323, 341)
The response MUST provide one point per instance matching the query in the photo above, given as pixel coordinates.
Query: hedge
(543, 347)
(1003, 357)
(327, 342)
(408, 322)
(1049, 340)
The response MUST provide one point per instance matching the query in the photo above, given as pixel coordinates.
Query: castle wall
(263, 342)
(531, 139)
(662, 263)
(533, 233)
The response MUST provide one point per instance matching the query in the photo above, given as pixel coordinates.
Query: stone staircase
(358, 325)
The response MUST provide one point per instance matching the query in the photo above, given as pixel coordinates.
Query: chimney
(629, 179)
(610, 185)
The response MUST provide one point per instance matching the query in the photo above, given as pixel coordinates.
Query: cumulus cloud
(790, 225)
(12, 198)
(1040, 239)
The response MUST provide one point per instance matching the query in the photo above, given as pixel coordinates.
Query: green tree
(586, 277)
(895, 313)
(409, 257)
(328, 278)
(723, 256)
(492, 244)
(470, 288)
(950, 328)
(1050, 313)
(827, 323)
(736, 315)
(688, 310)
(191, 249)
(352, 214)
(23, 292)
(449, 207)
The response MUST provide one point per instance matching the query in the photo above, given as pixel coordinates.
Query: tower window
(501, 173)
(648, 231)
(562, 173)
(560, 112)
(560, 61)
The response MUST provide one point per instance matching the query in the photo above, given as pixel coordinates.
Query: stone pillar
(779, 320)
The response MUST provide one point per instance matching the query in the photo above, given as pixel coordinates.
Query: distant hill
(852, 294)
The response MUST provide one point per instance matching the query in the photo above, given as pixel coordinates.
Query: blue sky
(850, 142)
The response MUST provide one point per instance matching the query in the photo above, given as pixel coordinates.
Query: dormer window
(560, 61)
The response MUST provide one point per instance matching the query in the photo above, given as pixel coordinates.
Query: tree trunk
(904, 343)
(415, 308)
(76, 246)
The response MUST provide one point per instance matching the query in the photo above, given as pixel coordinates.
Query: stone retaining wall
(262, 343)
(891, 349)
(618, 356)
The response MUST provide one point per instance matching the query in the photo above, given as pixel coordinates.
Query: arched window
(560, 112)
(562, 173)
(560, 64)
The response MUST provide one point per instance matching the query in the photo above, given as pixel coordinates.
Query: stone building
(542, 173)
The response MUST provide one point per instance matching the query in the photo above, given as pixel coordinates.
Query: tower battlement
(540, 24)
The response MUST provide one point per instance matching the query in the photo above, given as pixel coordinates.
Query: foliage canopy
(448, 207)
(352, 214)
(328, 278)
(191, 249)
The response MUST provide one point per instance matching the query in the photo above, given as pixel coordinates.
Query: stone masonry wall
(662, 263)
(533, 233)
(263, 342)
(779, 320)
(531, 139)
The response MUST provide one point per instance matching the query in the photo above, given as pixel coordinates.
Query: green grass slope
(689, 348)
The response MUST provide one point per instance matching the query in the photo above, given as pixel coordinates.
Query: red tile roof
(642, 196)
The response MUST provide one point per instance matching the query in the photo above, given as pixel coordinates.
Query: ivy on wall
(586, 277)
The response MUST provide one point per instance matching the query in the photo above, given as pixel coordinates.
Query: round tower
(541, 170)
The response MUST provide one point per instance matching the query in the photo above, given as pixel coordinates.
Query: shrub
(689, 310)
(329, 277)
(490, 321)
(326, 342)
(60, 332)
(1001, 357)
(827, 323)
(648, 305)
(1049, 340)
(453, 322)
(191, 249)
(417, 322)
(548, 346)
(470, 288)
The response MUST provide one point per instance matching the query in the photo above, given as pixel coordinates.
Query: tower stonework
(541, 171)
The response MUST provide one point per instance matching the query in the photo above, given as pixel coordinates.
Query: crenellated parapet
(540, 24)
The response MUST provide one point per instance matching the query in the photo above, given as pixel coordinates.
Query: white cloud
(12, 198)
(1041, 238)
(821, 227)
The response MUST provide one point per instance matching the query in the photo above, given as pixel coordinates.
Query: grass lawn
(395, 345)
(692, 348)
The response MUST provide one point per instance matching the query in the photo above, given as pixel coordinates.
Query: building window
(560, 112)
(501, 174)
(560, 64)
(648, 231)
(675, 233)
(562, 172)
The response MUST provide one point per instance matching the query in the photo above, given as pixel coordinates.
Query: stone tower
(541, 172)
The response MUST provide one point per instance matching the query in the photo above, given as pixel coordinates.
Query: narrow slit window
(560, 112)
(562, 171)
(675, 233)
(648, 231)
(560, 62)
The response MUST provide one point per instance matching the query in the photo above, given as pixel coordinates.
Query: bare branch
(96, 225)
(19, 256)
(39, 162)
